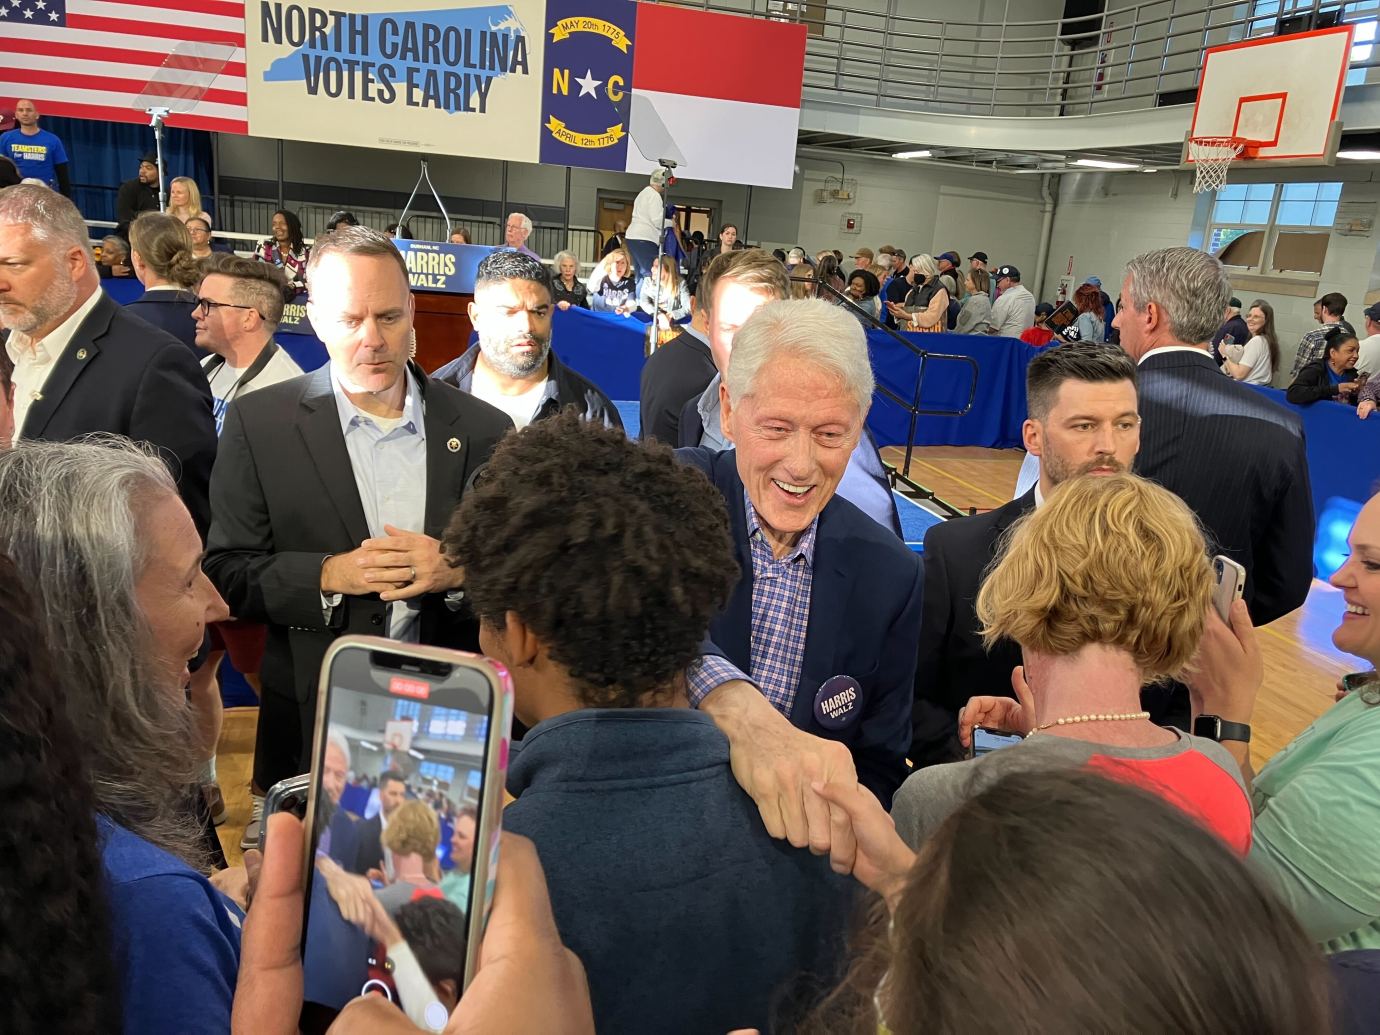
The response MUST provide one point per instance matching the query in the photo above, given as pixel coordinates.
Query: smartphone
(1229, 581)
(288, 795)
(987, 739)
(409, 757)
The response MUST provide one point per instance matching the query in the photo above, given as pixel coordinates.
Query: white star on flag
(588, 84)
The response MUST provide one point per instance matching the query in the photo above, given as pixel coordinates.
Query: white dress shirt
(34, 360)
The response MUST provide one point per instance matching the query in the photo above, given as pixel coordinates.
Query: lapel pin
(81, 353)
(453, 445)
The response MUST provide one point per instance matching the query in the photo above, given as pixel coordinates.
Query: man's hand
(397, 566)
(268, 996)
(777, 765)
(882, 860)
(1347, 387)
(1001, 713)
(1225, 676)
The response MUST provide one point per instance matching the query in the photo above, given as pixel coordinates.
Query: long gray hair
(71, 519)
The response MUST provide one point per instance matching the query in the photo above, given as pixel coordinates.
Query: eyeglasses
(205, 305)
(197, 229)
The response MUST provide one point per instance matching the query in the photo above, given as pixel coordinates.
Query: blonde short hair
(412, 830)
(1117, 561)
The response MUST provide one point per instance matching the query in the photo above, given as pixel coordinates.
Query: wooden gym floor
(1301, 665)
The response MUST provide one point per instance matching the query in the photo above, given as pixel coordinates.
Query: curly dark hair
(56, 958)
(614, 554)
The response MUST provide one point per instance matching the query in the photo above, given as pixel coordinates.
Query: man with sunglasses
(82, 362)
(239, 304)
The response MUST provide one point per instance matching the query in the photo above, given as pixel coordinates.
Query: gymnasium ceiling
(1151, 156)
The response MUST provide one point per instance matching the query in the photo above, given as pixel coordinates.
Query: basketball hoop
(1212, 157)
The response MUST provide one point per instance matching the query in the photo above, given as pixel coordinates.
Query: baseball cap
(1043, 309)
(1373, 312)
(952, 257)
(1235, 303)
(1006, 271)
(150, 158)
(1094, 281)
(980, 256)
(661, 175)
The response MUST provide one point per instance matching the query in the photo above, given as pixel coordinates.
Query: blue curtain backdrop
(104, 154)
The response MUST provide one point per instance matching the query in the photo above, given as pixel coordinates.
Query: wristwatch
(1214, 727)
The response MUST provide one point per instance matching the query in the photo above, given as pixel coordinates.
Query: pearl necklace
(1098, 717)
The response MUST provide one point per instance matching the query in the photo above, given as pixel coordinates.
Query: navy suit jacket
(172, 311)
(865, 604)
(1237, 459)
(121, 375)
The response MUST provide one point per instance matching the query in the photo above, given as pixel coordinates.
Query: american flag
(111, 59)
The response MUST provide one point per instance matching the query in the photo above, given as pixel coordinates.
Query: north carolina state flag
(735, 116)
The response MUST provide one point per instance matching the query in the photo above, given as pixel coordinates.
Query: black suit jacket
(369, 847)
(674, 375)
(1237, 459)
(122, 375)
(865, 604)
(172, 311)
(283, 496)
(953, 664)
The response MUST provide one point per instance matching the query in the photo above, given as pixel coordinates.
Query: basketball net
(1212, 157)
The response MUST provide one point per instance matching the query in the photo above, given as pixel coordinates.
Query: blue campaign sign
(588, 87)
(442, 267)
(294, 319)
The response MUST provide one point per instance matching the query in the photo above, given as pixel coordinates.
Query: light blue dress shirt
(390, 474)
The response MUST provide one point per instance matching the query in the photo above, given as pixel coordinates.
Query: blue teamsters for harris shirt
(37, 155)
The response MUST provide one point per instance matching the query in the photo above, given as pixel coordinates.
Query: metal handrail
(912, 407)
(246, 218)
(1124, 59)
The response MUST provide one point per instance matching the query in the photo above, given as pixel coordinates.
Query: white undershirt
(521, 408)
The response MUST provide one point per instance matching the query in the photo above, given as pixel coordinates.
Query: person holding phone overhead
(1105, 587)
(331, 490)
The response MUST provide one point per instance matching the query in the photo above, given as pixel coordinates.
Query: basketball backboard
(1282, 92)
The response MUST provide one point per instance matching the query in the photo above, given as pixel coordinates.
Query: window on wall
(1274, 229)
(438, 771)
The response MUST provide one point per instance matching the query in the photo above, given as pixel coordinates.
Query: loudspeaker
(1082, 17)
(1308, 22)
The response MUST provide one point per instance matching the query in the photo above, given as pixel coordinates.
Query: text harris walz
(379, 58)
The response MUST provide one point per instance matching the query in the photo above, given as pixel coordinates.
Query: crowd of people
(747, 794)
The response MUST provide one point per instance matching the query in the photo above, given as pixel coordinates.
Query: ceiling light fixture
(911, 154)
(1360, 156)
(1098, 163)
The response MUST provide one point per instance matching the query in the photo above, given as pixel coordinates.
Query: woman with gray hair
(926, 308)
(99, 531)
(569, 289)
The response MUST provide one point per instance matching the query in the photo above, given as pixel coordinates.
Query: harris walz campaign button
(838, 702)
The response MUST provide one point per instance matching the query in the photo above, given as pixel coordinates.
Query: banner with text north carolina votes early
(604, 84)
(430, 76)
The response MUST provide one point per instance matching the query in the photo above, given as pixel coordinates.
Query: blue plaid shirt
(780, 618)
